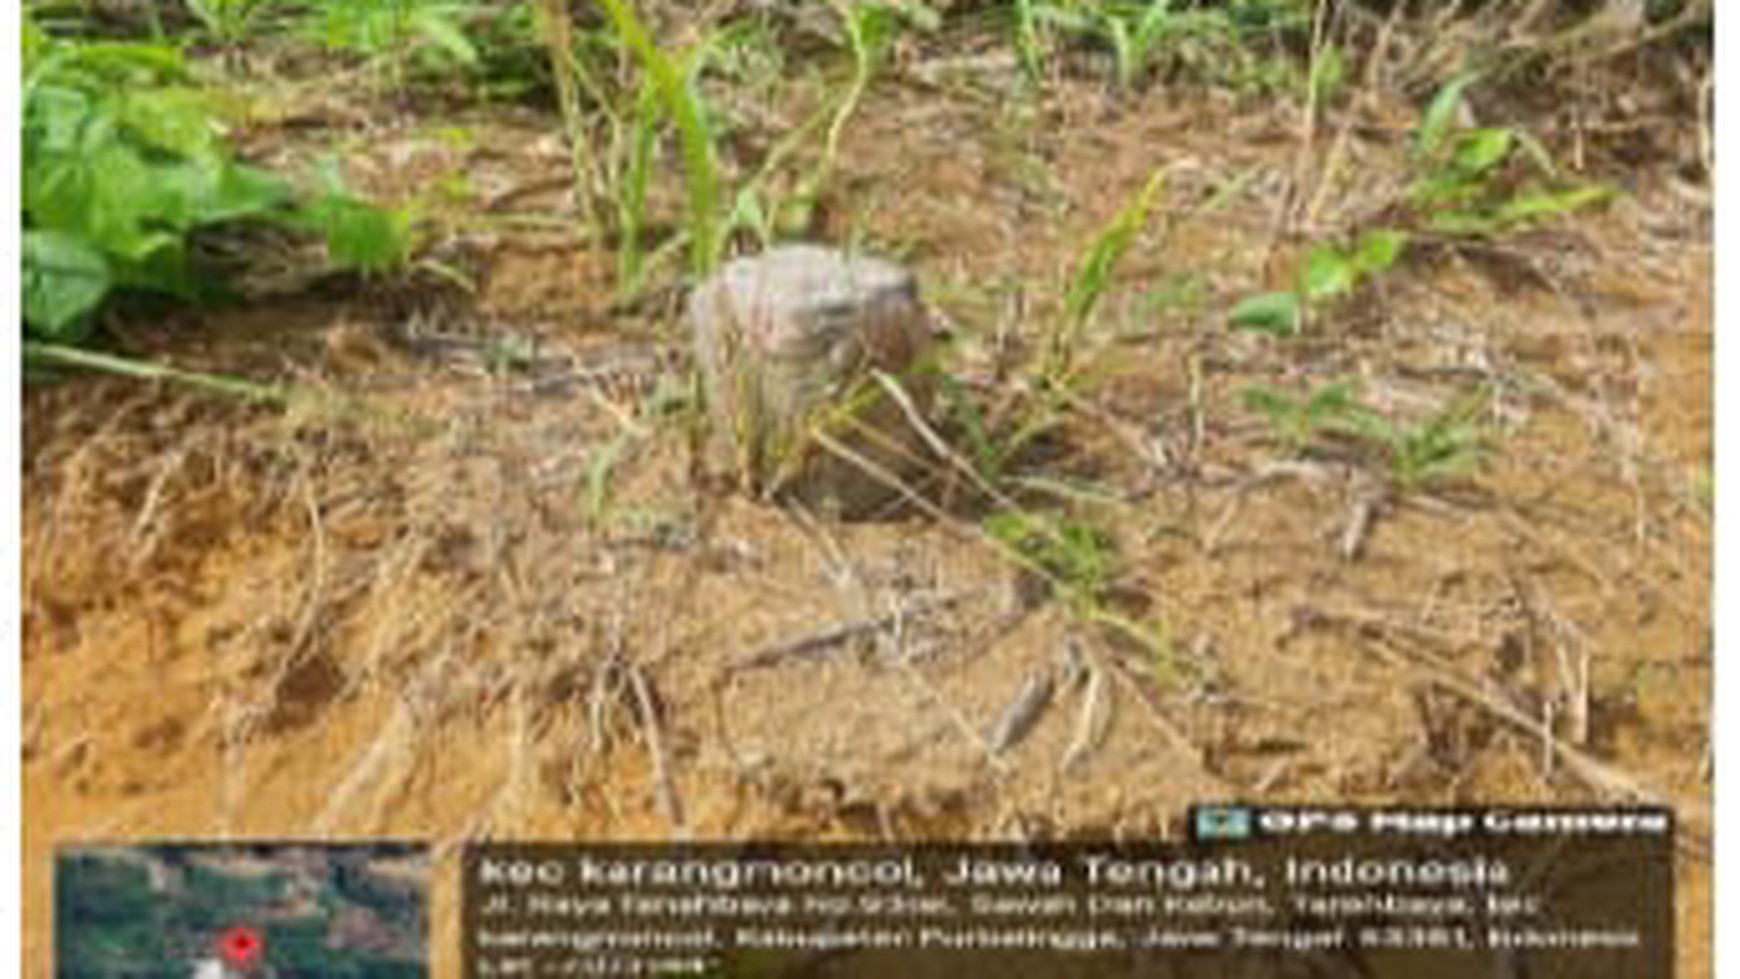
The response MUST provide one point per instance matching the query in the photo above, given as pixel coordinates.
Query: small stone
(788, 343)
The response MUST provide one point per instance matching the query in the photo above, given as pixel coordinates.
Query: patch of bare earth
(481, 592)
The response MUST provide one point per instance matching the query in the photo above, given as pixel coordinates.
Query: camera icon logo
(1220, 823)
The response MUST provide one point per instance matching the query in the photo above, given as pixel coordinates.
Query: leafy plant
(1138, 33)
(1475, 181)
(1296, 421)
(394, 33)
(1486, 180)
(1093, 276)
(358, 234)
(1133, 31)
(1449, 443)
(1329, 273)
(231, 21)
(1074, 558)
(122, 164)
(616, 144)
(677, 91)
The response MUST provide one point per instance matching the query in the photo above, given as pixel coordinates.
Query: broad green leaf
(238, 192)
(34, 44)
(57, 192)
(1481, 150)
(1327, 273)
(65, 280)
(1378, 250)
(160, 264)
(127, 197)
(359, 235)
(176, 120)
(1270, 312)
(58, 117)
(131, 61)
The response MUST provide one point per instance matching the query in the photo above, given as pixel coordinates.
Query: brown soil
(473, 603)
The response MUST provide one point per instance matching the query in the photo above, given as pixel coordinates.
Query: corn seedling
(392, 34)
(1074, 558)
(681, 100)
(572, 79)
(1133, 31)
(1077, 562)
(1093, 278)
(1448, 444)
(1297, 422)
(1139, 34)
(999, 436)
(1028, 47)
(1481, 181)
(229, 22)
(1329, 273)
(867, 29)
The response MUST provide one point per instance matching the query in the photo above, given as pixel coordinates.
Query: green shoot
(1329, 273)
(1482, 181)
(230, 22)
(1448, 444)
(1027, 44)
(391, 34)
(676, 89)
(1093, 275)
(1074, 558)
(1298, 422)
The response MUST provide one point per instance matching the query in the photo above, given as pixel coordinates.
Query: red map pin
(241, 946)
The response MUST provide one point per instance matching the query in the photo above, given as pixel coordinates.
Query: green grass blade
(684, 105)
(1094, 275)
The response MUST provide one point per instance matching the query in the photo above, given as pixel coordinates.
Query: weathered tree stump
(789, 344)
